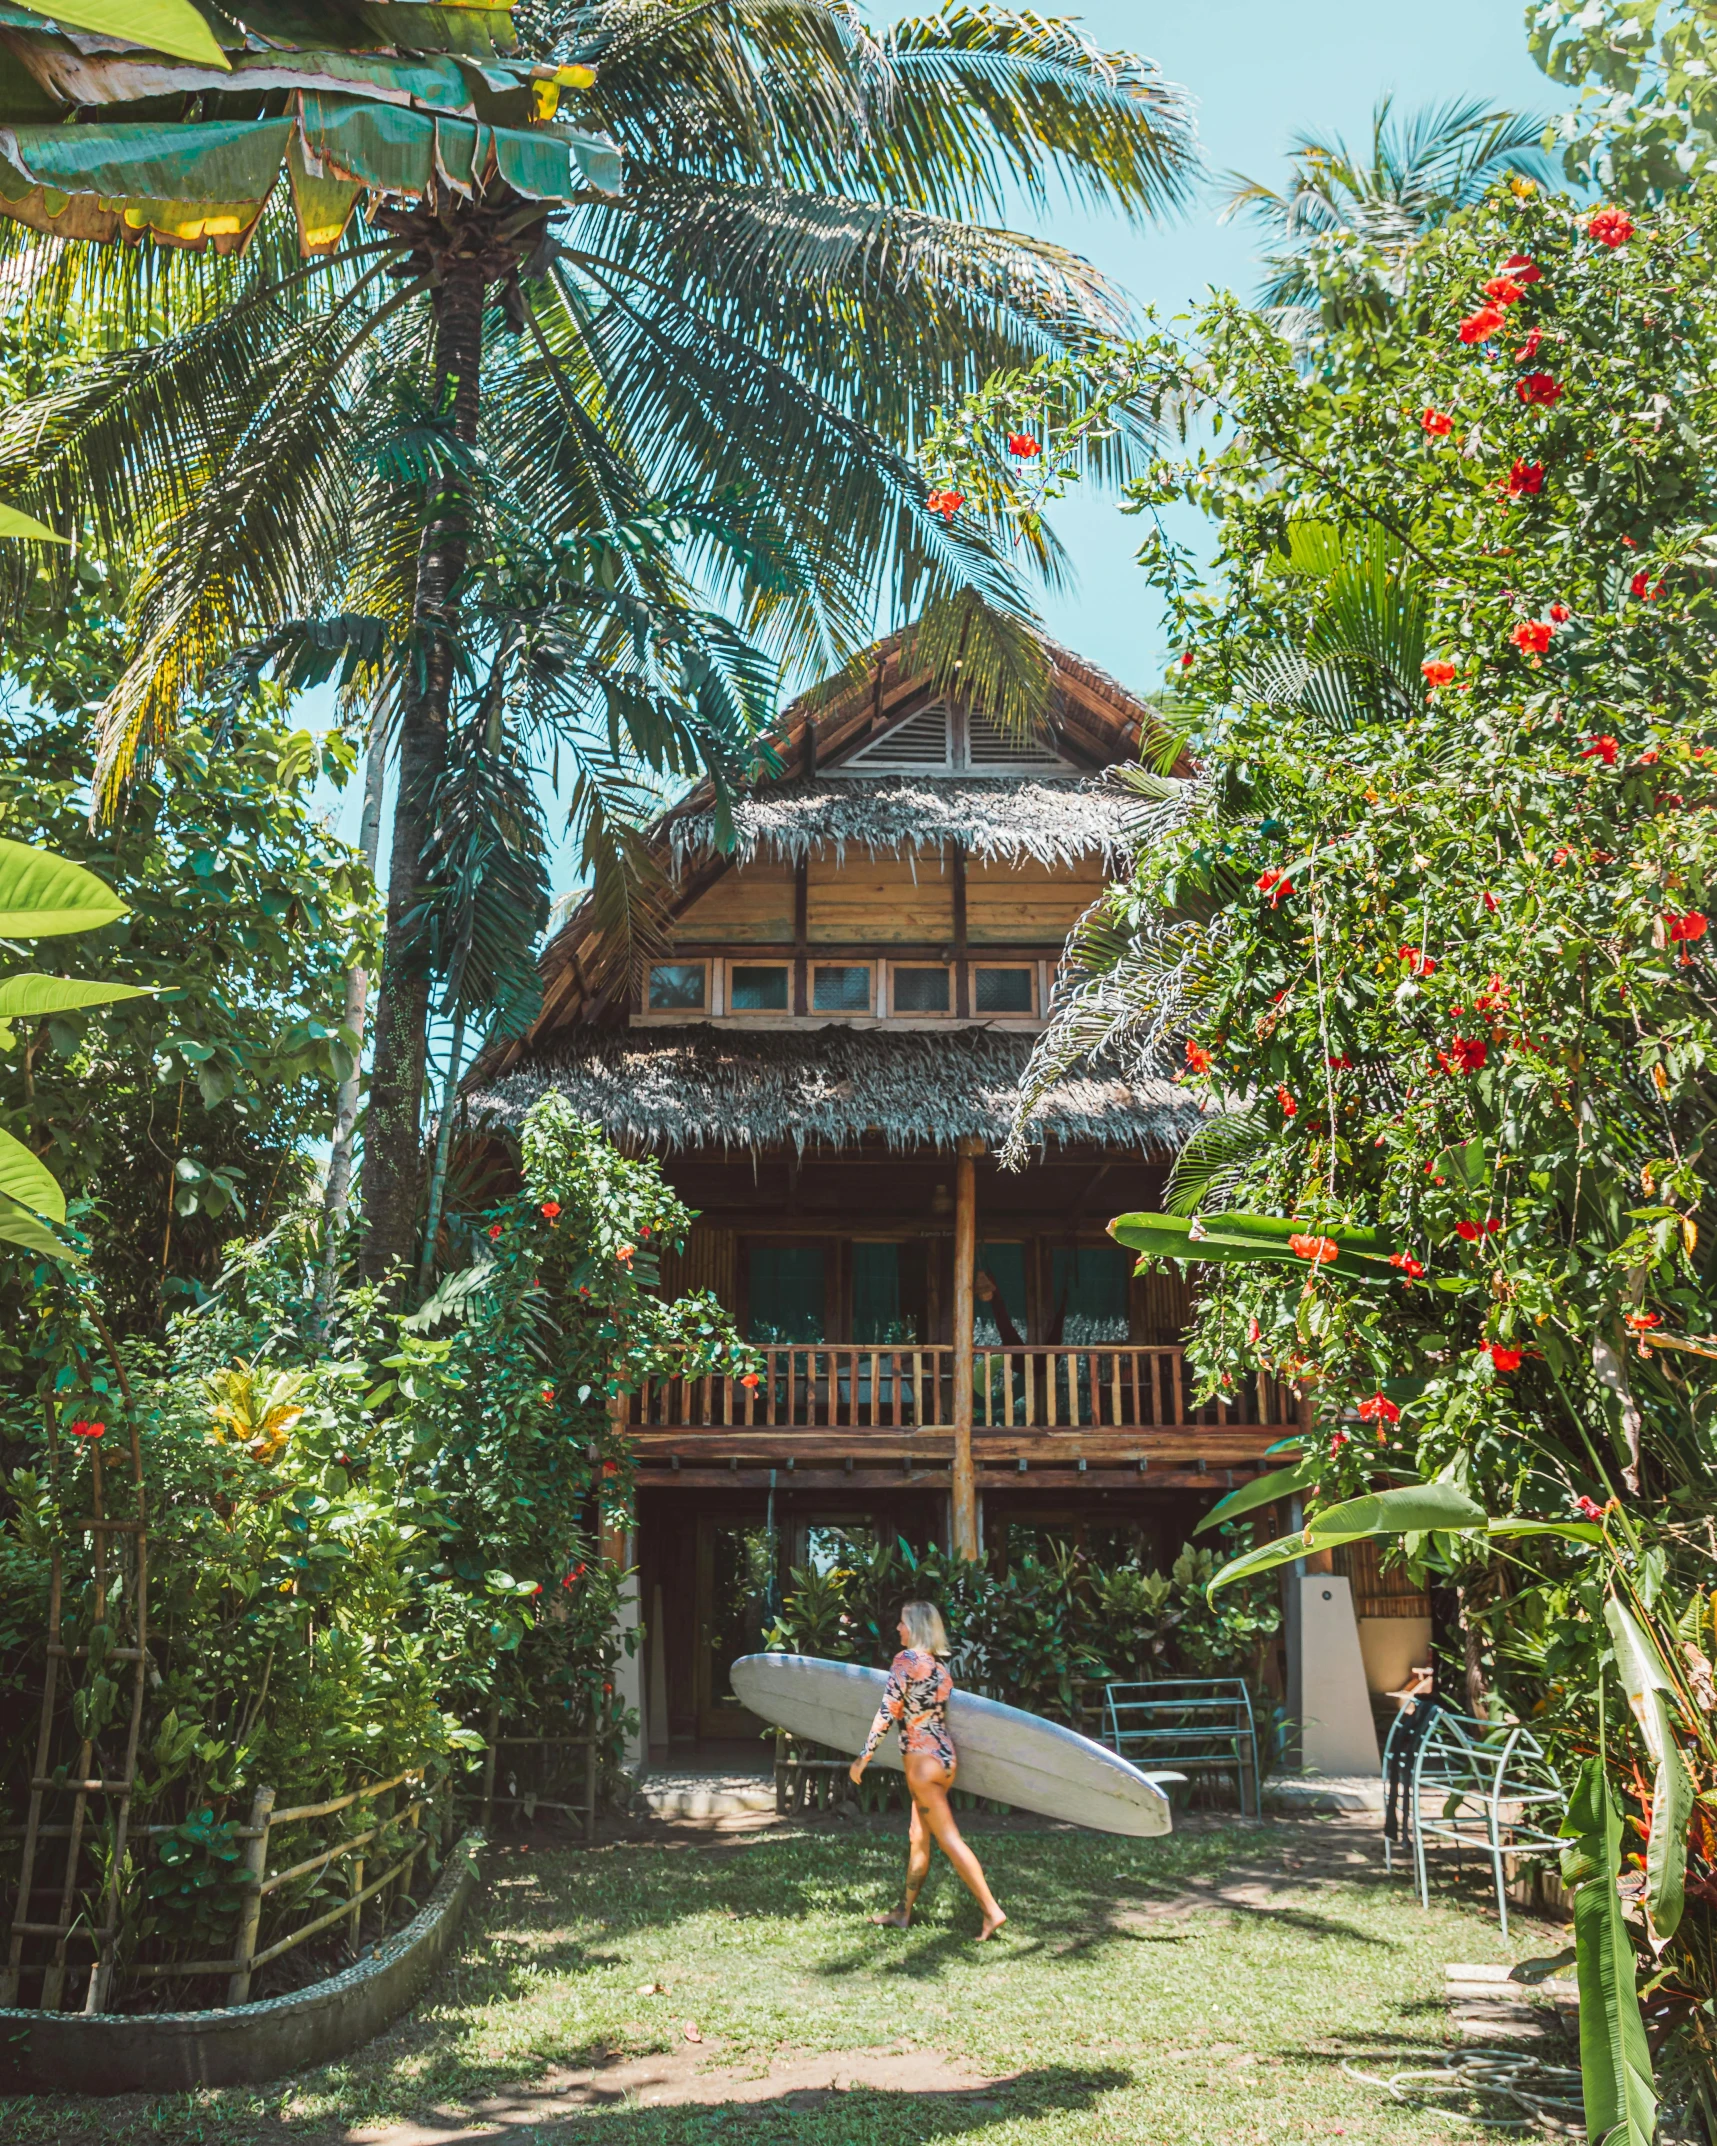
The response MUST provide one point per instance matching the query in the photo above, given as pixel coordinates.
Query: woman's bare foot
(992, 1923)
(896, 1919)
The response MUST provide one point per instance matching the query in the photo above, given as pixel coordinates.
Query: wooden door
(734, 1588)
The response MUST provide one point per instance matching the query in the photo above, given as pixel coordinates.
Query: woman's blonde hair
(924, 1627)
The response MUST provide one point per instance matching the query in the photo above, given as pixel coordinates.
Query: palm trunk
(392, 1148)
(443, 1142)
(337, 1197)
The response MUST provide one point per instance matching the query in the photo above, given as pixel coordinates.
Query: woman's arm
(887, 1714)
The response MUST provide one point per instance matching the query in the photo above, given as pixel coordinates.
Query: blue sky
(1258, 70)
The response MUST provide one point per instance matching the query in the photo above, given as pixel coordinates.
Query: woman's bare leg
(929, 1786)
(917, 1870)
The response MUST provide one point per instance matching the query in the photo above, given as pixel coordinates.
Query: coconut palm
(754, 264)
(1364, 212)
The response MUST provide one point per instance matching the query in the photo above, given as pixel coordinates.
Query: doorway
(734, 1608)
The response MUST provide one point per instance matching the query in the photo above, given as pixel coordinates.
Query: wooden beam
(962, 970)
(801, 934)
(965, 1261)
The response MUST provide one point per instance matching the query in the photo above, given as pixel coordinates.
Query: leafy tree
(1647, 120)
(1428, 931)
(1337, 237)
(789, 280)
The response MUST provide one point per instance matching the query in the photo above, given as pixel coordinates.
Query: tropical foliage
(355, 420)
(363, 1545)
(1646, 123)
(1427, 931)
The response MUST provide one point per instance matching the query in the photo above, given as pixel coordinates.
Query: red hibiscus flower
(1642, 586)
(1197, 1057)
(1437, 672)
(494, 1231)
(1690, 926)
(947, 504)
(1590, 1509)
(577, 1573)
(748, 1378)
(1340, 1063)
(1186, 661)
(1489, 900)
(550, 1210)
(1023, 445)
(1538, 390)
(1610, 227)
(1641, 1321)
(84, 1429)
(1466, 1054)
(1471, 1232)
(1338, 1439)
(1276, 884)
(1524, 480)
(1523, 269)
(1290, 1109)
(1602, 748)
(1409, 1266)
(1528, 349)
(1504, 291)
(1436, 422)
(1494, 997)
(1479, 327)
(1560, 614)
(1532, 636)
(1253, 1330)
(1319, 1250)
(1419, 963)
(1501, 1359)
(1379, 1409)
(548, 1393)
(624, 1254)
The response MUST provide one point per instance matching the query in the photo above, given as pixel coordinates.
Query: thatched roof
(1051, 819)
(829, 1087)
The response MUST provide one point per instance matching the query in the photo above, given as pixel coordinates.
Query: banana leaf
(15, 524)
(162, 25)
(1615, 2063)
(30, 1197)
(1413, 1509)
(1262, 1490)
(43, 896)
(20, 1226)
(1647, 1684)
(1361, 1254)
(29, 996)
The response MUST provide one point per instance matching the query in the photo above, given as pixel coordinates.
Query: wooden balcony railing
(845, 1386)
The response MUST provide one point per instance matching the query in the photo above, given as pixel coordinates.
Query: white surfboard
(1004, 1753)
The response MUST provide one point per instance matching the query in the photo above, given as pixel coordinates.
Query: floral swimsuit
(916, 1696)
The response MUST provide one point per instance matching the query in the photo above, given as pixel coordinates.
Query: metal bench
(1453, 1780)
(1191, 1724)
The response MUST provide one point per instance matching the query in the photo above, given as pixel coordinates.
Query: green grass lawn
(1125, 2001)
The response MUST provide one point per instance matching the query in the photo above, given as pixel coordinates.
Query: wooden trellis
(118, 1633)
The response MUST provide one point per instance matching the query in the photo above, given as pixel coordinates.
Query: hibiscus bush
(367, 1539)
(1428, 932)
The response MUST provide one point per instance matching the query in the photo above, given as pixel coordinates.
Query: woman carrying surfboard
(915, 1699)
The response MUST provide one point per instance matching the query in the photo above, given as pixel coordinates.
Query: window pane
(758, 991)
(676, 987)
(786, 1292)
(876, 1293)
(840, 990)
(920, 990)
(1090, 1285)
(1003, 991)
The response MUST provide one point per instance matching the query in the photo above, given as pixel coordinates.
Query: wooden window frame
(916, 1013)
(731, 1012)
(840, 1013)
(670, 1014)
(1030, 969)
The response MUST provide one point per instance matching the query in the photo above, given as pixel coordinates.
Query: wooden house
(826, 1059)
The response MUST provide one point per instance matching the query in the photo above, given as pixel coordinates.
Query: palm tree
(788, 280)
(1363, 215)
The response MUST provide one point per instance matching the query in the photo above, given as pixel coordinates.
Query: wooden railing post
(489, 1768)
(250, 1917)
(965, 1262)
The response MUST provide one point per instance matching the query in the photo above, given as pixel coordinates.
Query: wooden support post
(965, 1263)
(355, 1917)
(250, 1917)
(489, 1768)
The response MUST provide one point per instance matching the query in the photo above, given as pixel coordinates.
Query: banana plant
(1615, 2062)
(1355, 1254)
(43, 896)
